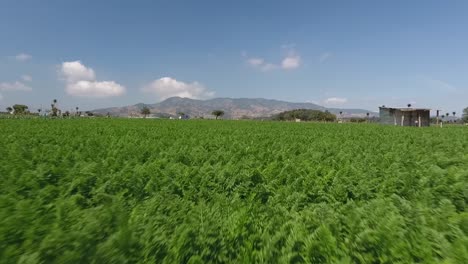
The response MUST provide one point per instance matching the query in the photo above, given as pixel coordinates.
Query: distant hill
(234, 108)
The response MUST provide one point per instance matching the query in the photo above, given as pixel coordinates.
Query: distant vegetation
(217, 113)
(145, 111)
(465, 115)
(305, 115)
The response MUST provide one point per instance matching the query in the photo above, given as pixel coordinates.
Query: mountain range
(234, 108)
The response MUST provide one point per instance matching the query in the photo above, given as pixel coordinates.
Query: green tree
(9, 109)
(217, 113)
(305, 115)
(145, 111)
(465, 115)
(20, 109)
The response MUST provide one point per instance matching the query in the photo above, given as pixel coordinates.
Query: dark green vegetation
(218, 113)
(465, 115)
(305, 115)
(145, 111)
(155, 191)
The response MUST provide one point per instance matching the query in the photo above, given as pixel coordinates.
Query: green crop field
(173, 191)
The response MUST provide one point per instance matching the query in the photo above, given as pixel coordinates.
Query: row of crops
(155, 191)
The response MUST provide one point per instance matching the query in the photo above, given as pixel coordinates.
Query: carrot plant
(194, 191)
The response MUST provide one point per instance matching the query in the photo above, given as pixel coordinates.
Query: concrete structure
(418, 117)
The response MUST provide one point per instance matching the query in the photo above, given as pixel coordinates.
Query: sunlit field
(194, 191)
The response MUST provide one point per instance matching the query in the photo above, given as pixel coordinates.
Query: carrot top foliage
(166, 191)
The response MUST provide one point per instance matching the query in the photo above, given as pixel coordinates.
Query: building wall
(387, 116)
(391, 116)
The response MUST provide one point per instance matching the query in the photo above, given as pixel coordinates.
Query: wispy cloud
(23, 57)
(14, 86)
(335, 101)
(260, 64)
(325, 56)
(291, 61)
(167, 87)
(439, 85)
(256, 61)
(26, 78)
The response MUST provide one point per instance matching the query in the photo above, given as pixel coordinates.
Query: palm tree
(55, 110)
(409, 105)
(454, 113)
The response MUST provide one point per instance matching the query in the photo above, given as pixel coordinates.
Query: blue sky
(354, 54)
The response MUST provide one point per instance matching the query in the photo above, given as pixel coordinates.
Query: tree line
(305, 115)
(145, 111)
(54, 111)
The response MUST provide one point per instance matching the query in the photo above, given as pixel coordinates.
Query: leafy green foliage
(20, 109)
(217, 113)
(126, 191)
(305, 115)
(145, 111)
(465, 115)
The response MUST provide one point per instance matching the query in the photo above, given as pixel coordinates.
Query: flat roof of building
(408, 109)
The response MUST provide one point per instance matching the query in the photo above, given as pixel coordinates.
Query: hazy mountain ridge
(233, 107)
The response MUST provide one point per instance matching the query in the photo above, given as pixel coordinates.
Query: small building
(418, 117)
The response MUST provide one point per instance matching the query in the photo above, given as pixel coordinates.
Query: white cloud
(26, 78)
(23, 57)
(81, 81)
(292, 61)
(268, 67)
(255, 61)
(15, 86)
(167, 87)
(95, 89)
(260, 64)
(74, 71)
(335, 101)
(325, 56)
